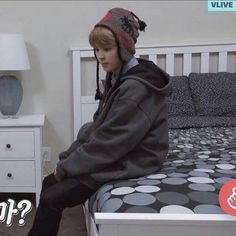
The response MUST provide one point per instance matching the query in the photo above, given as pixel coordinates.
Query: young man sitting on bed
(129, 135)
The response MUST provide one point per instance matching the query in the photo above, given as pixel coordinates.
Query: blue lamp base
(11, 94)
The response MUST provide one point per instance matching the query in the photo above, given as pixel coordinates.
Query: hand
(59, 173)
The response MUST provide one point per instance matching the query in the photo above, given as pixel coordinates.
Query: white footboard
(134, 224)
(149, 224)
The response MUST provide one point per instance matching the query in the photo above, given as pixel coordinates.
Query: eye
(107, 49)
(96, 49)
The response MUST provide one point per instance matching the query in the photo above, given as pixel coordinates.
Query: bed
(182, 198)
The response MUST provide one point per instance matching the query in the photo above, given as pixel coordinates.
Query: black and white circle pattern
(199, 162)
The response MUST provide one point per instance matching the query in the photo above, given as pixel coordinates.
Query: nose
(100, 55)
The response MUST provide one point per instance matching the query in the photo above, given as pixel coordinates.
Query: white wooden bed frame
(140, 224)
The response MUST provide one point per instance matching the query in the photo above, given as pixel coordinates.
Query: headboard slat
(222, 66)
(170, 64)
(204, 62)
(187, 63)
(153, 57)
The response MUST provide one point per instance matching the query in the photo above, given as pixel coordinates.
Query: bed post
(76, 91)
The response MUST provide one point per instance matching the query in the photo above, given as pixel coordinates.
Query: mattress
(199, 162)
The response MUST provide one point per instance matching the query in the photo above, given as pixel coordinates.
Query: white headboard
(84, 106)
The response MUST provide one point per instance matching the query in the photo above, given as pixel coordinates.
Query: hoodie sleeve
(82, 137)
(123, 128)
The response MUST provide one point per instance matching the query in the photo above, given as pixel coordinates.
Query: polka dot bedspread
(200, 161)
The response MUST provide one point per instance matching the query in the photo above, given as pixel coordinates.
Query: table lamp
(13, 57)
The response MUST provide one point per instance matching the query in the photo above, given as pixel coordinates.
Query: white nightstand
(20, 154)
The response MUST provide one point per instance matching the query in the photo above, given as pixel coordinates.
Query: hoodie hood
(151, 75)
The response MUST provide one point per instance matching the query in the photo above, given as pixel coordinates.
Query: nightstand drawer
(17, 144)
(17, 173)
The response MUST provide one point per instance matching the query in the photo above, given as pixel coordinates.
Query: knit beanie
(124, 26)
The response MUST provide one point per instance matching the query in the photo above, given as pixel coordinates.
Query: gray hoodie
(129, 135)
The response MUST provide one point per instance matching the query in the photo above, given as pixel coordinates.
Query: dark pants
(55, 197)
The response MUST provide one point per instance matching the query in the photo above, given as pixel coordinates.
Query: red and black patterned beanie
(125, 26)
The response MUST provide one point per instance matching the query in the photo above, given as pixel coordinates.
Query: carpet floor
(72, 223)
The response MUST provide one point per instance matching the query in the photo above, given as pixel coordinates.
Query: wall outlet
(46, 154)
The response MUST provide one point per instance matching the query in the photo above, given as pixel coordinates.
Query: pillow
(214, 94)
(180, 102)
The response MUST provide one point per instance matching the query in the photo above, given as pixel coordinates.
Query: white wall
(51, 28)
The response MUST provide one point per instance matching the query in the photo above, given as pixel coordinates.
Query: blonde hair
(102, 37)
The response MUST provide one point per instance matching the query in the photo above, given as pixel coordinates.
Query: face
(108, 57)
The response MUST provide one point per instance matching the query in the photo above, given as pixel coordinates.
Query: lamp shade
(13, 53)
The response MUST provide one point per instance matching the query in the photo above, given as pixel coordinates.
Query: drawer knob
(9, 175)
(8, 146)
